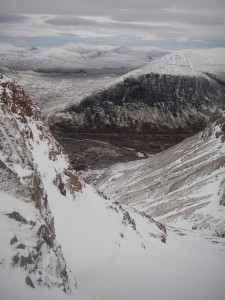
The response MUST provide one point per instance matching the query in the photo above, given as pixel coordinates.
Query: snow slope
(186, 267)
(182, 186)
(109, 266)
(195, 62)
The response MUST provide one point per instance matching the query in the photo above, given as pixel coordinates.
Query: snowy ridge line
(185, 62)
(36, 136)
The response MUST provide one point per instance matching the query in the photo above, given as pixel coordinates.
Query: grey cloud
(145, 30)
(78, 21)
(165, 16)
(124, 28)
(85, 7)
(70, 21)
(105, 7)
(201, 5)
(13, 18)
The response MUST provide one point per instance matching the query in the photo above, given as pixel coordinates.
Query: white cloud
(90, 34)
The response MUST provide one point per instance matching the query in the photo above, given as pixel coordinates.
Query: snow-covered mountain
(176, 93)
(76, 57)
(42, 199)
(183, 186)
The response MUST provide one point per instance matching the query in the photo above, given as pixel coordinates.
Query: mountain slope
(182, 186)
(176, 93)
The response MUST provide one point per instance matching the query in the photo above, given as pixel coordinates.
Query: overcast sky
(162, 23)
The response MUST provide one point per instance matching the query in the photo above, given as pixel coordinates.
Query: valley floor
(94, 151)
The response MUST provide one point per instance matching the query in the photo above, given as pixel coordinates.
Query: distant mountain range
(76, 57)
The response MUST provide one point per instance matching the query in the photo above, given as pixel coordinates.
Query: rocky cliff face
(32, 164)
(176, 93)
